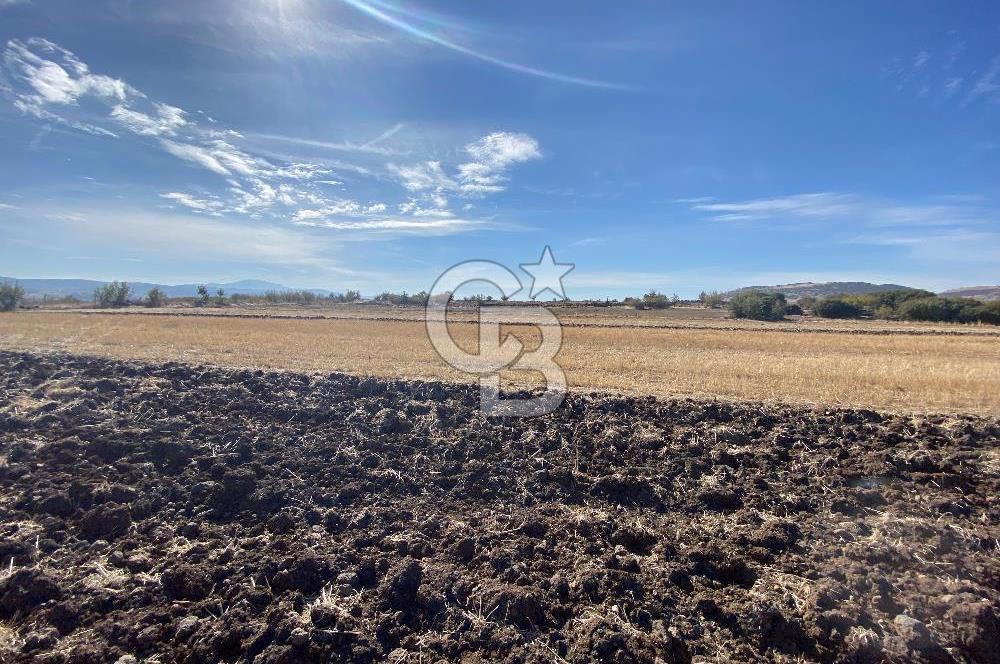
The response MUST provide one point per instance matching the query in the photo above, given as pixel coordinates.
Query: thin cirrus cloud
(390, 15)
(947, 72)
(955, 227)
(840, 207)
(371, 147)
(48, 82)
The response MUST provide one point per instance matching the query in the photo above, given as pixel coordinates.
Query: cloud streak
(394, 21)
(843, 207)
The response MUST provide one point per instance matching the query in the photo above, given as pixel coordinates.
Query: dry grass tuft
(10, 641)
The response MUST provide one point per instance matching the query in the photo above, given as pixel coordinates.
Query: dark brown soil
(177, 513)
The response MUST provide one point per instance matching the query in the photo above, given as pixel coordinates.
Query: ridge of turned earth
(200, 514)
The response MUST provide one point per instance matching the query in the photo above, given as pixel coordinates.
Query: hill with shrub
(817, 290)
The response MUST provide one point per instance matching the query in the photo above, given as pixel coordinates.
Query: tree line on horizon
(900, 304)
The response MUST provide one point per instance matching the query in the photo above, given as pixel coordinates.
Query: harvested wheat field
(169, 513)
(902, 371)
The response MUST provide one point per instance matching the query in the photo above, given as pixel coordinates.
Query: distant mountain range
(811, 289)
(978, 292)
(84, 288)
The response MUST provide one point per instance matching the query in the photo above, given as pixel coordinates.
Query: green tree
(115, 294)
(989, 312)
(835, 307)
(713, 299)
(758, 305)
(155, 297)
(202, 296)
(653, 300)
(941, 309)
(11, 296)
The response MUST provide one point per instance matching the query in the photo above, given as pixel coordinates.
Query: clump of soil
(194, 514)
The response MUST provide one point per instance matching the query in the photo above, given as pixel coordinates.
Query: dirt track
(202, 514)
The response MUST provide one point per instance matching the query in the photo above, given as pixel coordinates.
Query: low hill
(812, 289)
(84, 288)
(978, 292)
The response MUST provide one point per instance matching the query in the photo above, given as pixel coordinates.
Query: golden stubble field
(958, 373)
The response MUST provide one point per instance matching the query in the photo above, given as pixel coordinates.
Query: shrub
(713, 299)
(793, 310)
(10, 296)
(202, 296)
(155, 297)
(652, 300)
(758, 305)
(417, 298)
(835, 307)
(220, 298)
(806, 303)
(115, 294)
(289, 297)
(989, 312)
(941, 309)
(347, 296)
(883, 304)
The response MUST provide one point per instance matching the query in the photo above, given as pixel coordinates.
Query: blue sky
(371, 144)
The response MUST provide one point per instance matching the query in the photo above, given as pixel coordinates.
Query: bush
(883, 304)
(941, 309)
(713, 299)
(347, 296)
(10, 296)
(835, 307)
(155, 297)
(793, 310)
(989, 312)
(115, 294)
(202, 296)
(651, 300)
(758, 305)
(417, 298)
(806, 303)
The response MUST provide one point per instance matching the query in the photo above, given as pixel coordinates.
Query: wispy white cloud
(944, 74)
(952, 245)
(210, 206)
(166, 122)
(384, 136)
(986, 85)
(195, 154)
(163, 235)
(371, 147)
(48, 82)
(853, 208)
(341, 208)
(429, 226)
(485, 173)
(812, 205)
(491, 156)
(587, 241)
(943, 228)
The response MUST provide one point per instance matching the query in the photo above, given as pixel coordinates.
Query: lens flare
(398, 23)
